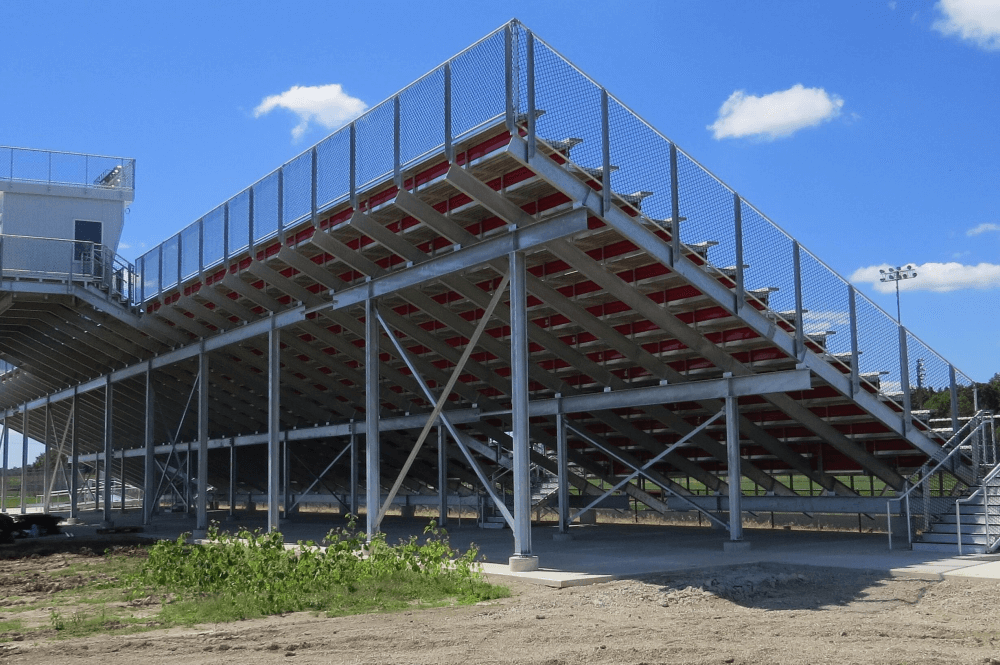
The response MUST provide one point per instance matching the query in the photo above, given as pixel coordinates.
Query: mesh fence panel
(572, 105)
(190, 251)
(707, 212)
(265, 208)
(6, 163)
(929, 374)
(297, 189)
(30, 165)
(826, 308)
(70, 169)
(170, 257)
(151, 274)
(878, 344)
(214, 245)
(477, 86)
(239, 222)
(333, 173)
(421, 118)
(374, 145)
(642, 158)
(768, 253)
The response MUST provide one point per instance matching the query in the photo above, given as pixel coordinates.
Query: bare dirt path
(759, 614)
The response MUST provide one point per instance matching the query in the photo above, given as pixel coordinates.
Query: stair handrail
(952, 447)
(986, 505)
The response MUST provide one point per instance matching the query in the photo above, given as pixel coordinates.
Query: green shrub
(252, 574)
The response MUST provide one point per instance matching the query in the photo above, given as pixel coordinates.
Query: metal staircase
(944, 509)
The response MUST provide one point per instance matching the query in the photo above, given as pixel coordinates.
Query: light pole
(895, 275)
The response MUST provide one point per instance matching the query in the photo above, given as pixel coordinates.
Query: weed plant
(251, 574)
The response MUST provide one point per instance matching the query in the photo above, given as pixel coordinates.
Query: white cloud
(775, 115)
(939, 277)
(982, 228)
(327, 105)
(977, 21)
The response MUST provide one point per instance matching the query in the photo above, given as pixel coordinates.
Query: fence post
(800, 335)
(605, 153)
(397, 175)
(904, 379)
(675, 208)
(738, 229)
(531, 94)
(508, 74)
(449, 149)
(855, 354)
(954, 397)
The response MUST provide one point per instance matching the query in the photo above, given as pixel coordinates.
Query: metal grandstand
(504, 256)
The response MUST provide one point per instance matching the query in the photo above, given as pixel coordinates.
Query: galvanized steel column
(232, 478)
(273, 422)
(108, 449)
(48, 457)
(3, 471)
(201, 521)
(442, 477)
(74, 479)
(519, 404)
(733, 461)
(373, 482)
(149, 465)
(24, 460)
(355, 461)
(562, 461)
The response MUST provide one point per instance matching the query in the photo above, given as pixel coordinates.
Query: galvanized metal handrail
(953, 446)
(986, 505)
(77, 261)
(60, 167)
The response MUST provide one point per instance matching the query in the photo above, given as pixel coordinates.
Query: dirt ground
(746, 614)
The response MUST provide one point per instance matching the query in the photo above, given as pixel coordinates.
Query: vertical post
(354, 165)
(904, 379)
(286, 475)
(738, 227)
(3, 470)
(281, 205)
(159, 268)
(442, 477)
(373, 458)
(735, 475)
(24, 460)
(180, 259)
(225, 234)
(531, 94)
(201, 245)
(109, 449)
(449, 149)
(251, 223)
(675, 207)
(954, 398)
(355, 461)
(314, 183)
(273, 422)
(397, 174)
(508, 78)
(800, 324)
(149, 466)
(74, 480)
(562, 461)
(605, 153)
(522, 559)
(48, 456)
(201, 521)
(855, 354)
(232, 478)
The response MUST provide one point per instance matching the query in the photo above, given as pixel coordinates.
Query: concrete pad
(736, 546)
(562, 536)
(982, 571)
(558, 579)
(523, 564)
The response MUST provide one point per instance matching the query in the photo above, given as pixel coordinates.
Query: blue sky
(868, 130)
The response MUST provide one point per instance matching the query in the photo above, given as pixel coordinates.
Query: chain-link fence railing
(66, 168)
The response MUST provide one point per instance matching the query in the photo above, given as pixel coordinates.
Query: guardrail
(512, 77)
(56, 167)
(67, 261)
(947, 473)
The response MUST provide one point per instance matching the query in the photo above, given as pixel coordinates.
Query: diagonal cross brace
(443, 398)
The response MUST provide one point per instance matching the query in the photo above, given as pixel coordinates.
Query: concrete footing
(523, 564)
(736, 546)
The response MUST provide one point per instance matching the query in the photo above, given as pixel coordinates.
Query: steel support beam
(373, 459)
(24, 461)
(519, 405)
(562, 461)
(3, 470)
(201, 521)
(108, 448)
(355, 462)
(273, 422)
(149, 499)
(735, 477)
(74, 479)
(442, 452)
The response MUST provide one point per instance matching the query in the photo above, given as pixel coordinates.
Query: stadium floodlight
(897, 275)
